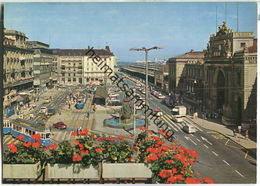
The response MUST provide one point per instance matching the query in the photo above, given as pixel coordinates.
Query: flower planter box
(29, 171)
(125, 170)
(73, 171)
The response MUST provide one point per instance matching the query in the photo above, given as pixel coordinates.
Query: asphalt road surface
(219, 158)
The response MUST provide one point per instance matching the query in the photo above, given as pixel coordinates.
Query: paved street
(219, 157)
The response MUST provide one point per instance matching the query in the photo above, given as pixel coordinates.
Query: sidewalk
(246, 143)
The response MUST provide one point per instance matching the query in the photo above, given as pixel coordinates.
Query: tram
(81, 102)
(27, 128)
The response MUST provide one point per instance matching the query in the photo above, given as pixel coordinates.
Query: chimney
(107, 48)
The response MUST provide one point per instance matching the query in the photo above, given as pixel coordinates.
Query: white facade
(94, 74)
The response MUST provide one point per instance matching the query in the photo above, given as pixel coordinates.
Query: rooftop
(190, 55)
(82, 52)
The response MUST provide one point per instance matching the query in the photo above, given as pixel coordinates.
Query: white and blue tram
(81, 102)
(27, 128)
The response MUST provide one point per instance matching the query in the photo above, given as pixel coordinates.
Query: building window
(63, 79)
(68, 74)
(74, 74)
(243, 45)
(69, 80)
(74, 79)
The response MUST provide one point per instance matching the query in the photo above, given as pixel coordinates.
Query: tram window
(47, 135)
(30, 132)
(43, 136)
(33, 132)
(14, 126)
(26, 131)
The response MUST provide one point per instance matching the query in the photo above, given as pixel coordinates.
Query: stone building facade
(161, 75)
(18, 62)
(183, 70)
(230, 75)
(70, 66)
(220, 80)
(94, 74)
(42, 64)
(75, 66)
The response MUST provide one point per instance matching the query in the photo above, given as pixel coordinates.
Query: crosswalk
(177, 126)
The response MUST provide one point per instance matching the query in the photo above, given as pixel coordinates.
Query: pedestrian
(234, 133)
(247, 134)
(80, 129)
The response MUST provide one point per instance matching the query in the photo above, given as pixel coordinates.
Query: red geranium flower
(208, 180)
(165, 173)
(76, 141)
(36, 137)
(151, 157)
(192, 153)
(81, 147)
(27, 144)
(36, 144)
(150, 132)
(191, 180)
(53, 146)
(165, 148)
(120, 137)
(156, 138)
(73, 133)
(174, 171)
(98, 150)
(12, 147)
(100, 139)
(84, 152)
(76, 157)
(143, 128)
(110, 139)
(175, 179)
(21, 137)
(168, 161)
(159, 142)
(84, 132)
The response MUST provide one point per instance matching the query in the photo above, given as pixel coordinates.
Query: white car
(161, 97)
(189, 129)
(177, 119)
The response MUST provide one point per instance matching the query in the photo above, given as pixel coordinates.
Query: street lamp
(146, 50)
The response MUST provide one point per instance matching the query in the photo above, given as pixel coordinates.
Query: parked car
(47, 101)
(51, 112)
(189, 129)
(43, 110)
(60, 125)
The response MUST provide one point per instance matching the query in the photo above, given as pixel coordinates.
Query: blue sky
(179, 27)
